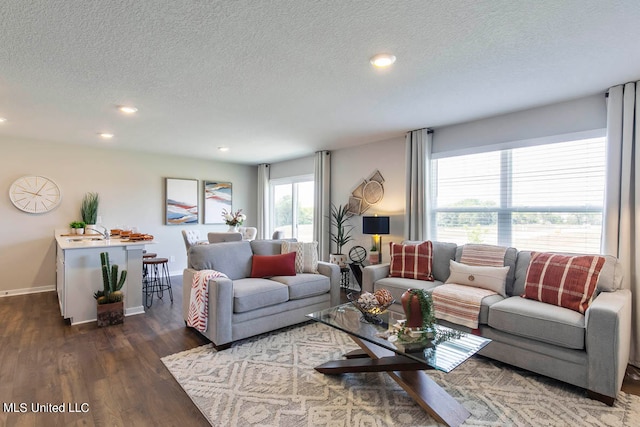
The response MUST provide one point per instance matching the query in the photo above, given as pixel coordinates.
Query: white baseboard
(134, 310)
(80, 323)
(38, 289)
(127, 312)
(26, 291)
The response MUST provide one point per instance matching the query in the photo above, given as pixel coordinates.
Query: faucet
(105, 234)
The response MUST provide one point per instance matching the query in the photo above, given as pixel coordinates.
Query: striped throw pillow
(412, 261)
(306, 255)
(563, 280)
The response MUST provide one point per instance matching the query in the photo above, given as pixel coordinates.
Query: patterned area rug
(269, 380)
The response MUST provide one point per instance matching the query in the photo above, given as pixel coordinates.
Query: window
(544, 197)
(292, 207)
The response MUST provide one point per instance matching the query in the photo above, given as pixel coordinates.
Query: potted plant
(110, 298)
(418, 331)
(374, 255)
(339, 219)
(77, 227)
(418, 309)
(89, 209)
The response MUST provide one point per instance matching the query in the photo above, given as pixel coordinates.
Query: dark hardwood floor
(631, 382)
(115, 371)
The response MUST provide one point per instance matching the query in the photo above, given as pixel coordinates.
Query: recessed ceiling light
(2, 120)
(106, 135)
(382, 60)
(223, 148)
(127, 109)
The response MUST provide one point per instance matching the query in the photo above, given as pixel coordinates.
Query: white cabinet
(79, 275)
(60, 277)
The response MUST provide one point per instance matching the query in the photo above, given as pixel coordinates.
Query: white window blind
(545, 197)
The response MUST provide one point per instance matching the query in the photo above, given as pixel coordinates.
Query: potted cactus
(110, 298)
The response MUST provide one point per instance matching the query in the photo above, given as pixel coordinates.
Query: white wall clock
(35, 194)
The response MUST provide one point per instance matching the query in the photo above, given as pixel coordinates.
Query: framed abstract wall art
(217, 197)
(181, 201)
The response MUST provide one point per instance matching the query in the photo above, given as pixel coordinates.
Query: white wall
(131, 189)
(349, 167)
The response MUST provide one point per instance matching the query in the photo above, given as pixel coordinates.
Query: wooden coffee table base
(406, 372)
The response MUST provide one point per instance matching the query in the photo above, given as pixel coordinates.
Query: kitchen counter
(95, 240)
(79, 273)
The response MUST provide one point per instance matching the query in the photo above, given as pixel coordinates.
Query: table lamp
(376, 225)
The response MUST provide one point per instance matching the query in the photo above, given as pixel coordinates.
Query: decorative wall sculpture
(368, 193)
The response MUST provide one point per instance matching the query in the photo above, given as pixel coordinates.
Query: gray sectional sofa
(590, 351)
(241, 306)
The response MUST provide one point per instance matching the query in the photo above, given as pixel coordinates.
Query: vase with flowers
(233, 219)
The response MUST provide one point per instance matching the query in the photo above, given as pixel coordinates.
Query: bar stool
(146, 255)
(157, 279)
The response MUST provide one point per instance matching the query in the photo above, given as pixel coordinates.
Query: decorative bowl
(370, 314)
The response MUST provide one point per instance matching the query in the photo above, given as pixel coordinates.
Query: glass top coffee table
(405, 362)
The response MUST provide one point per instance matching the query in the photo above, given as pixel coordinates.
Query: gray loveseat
(241, 306)
(590, 351)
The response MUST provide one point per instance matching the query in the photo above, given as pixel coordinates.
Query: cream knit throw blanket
(459, 304)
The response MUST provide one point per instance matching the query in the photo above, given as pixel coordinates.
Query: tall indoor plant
(89, 209)
(340, 221)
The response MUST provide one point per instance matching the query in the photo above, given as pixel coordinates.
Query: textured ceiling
(276, 80)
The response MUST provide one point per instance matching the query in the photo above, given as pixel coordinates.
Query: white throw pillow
(492, 278)
(306, 255)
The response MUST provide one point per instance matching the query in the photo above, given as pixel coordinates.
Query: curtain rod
(428, 130)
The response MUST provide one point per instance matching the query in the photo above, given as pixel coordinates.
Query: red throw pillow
(274, 265)
(563, 280)
(412, 261)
